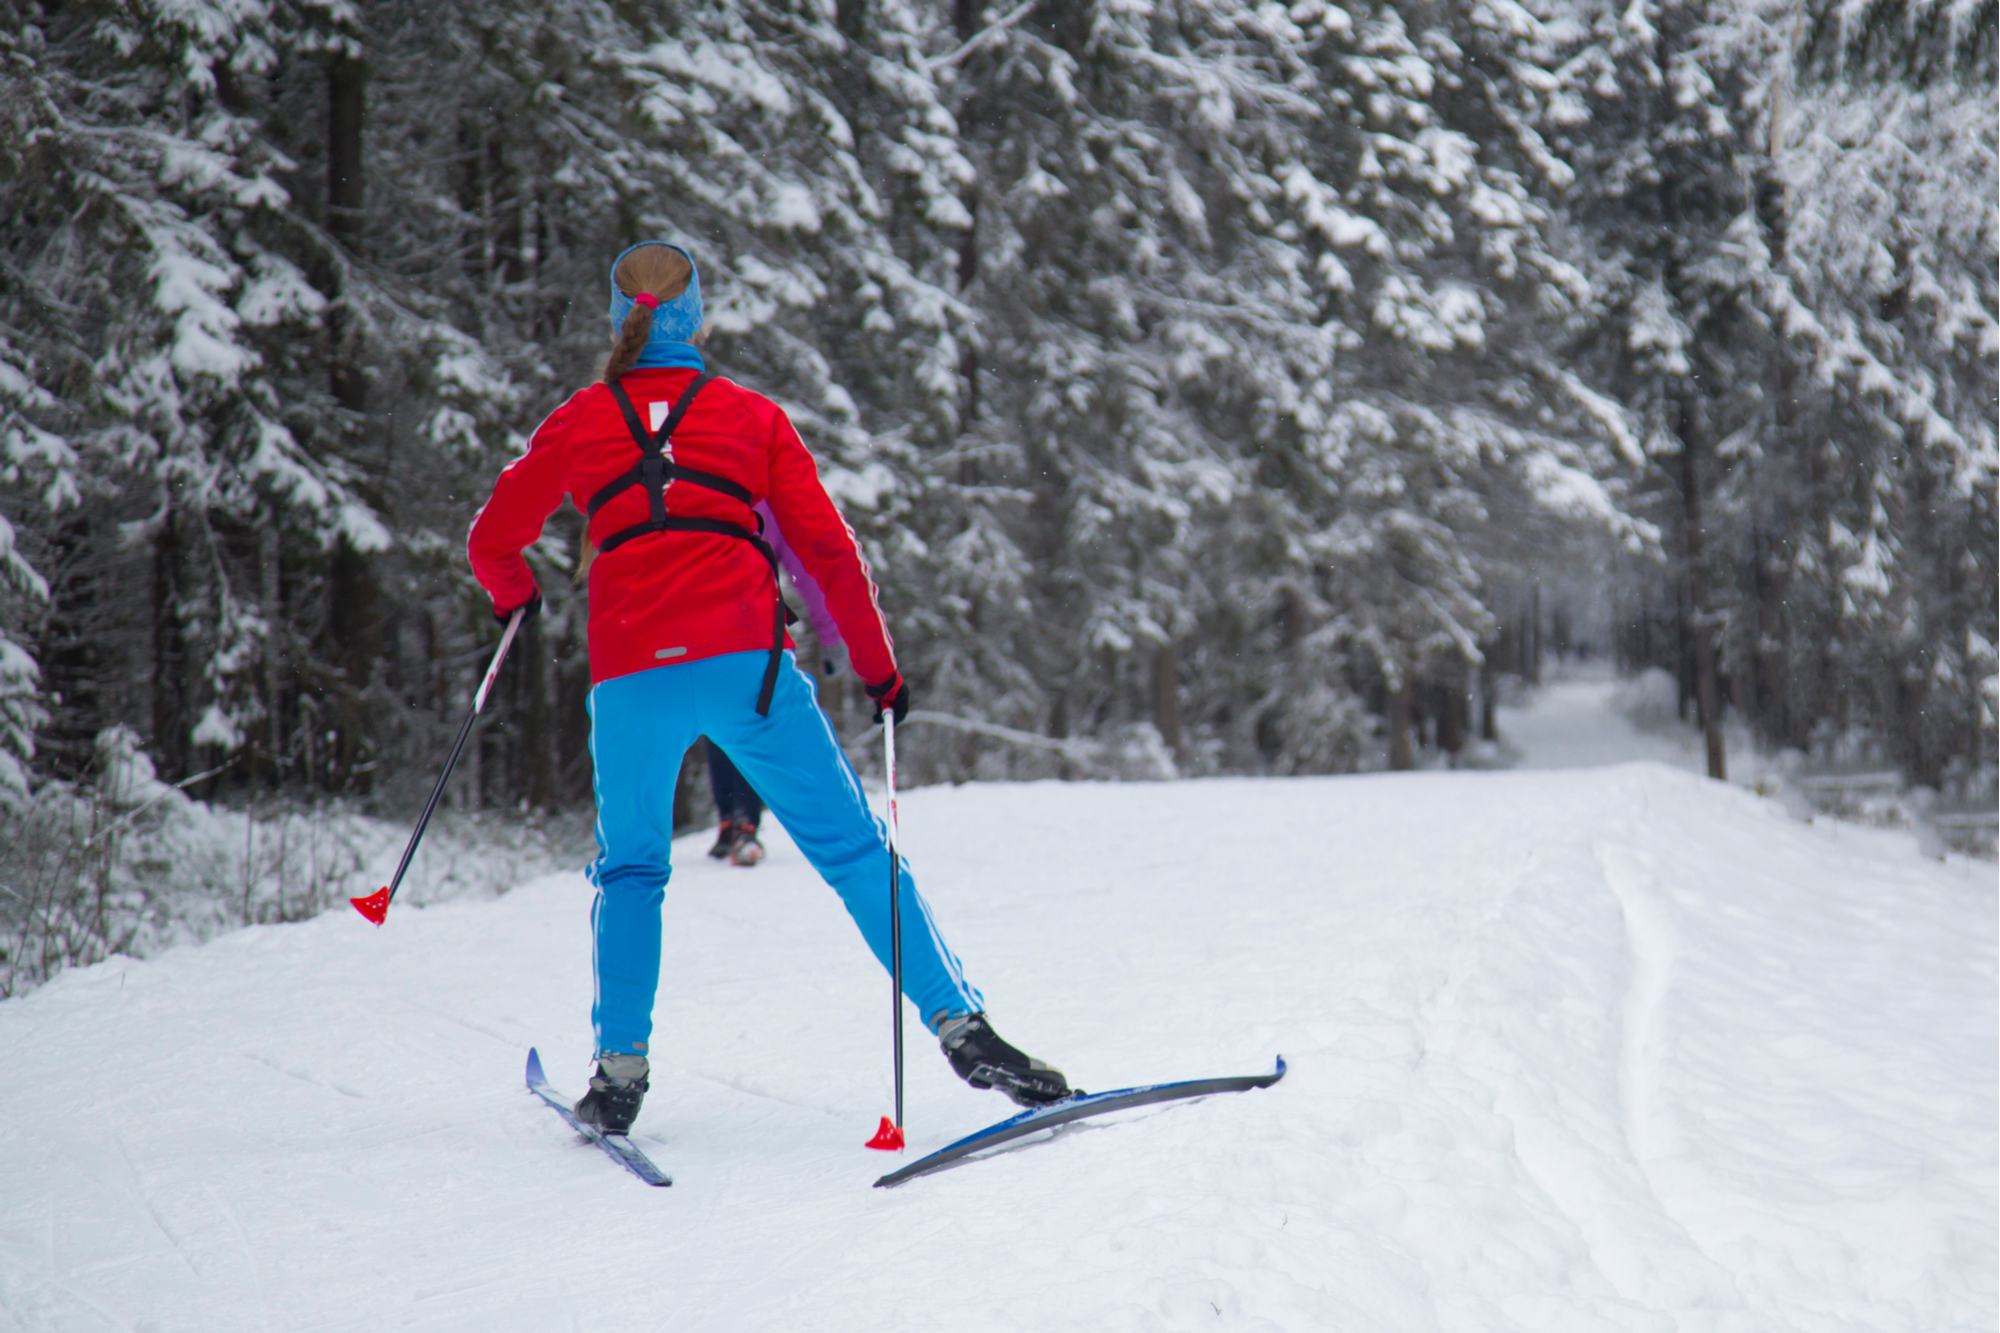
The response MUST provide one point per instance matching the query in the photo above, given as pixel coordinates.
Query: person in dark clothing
(739, 808)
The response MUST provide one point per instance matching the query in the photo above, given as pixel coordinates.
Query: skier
(738, 808)
(687, 637)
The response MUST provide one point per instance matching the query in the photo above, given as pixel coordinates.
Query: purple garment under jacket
(821, 619)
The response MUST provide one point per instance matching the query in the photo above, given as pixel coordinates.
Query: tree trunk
(346, 89)
(572, 718)
(354, 640)
(272, 594)
(1059, 730)
(537, 740)
(170, 702)
(1488, 724)
(968, 361)
(1532, 668)
(346, 218)
(1452, 713)
(1700, 628)
(1708, 703)
(1167, 697)
(75, 654)
(1770, 693)
(1922, 757)
(1400, 709)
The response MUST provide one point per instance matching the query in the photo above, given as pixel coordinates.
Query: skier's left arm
(825, 545)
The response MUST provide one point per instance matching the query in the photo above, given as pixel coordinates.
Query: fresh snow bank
(135, 866)
(1596, 1050)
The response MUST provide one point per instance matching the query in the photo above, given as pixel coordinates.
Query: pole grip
(499, 655)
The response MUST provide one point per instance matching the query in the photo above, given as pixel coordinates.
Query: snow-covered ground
(1607, 1048)
(1584, 717)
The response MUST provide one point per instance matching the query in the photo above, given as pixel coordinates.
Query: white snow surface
(1587, 717)
(1612, 1048)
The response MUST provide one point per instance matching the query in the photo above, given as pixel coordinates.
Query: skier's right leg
(792, 758)
(795, 760)
(640, 726)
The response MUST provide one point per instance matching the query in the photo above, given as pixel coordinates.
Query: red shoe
(747, 851)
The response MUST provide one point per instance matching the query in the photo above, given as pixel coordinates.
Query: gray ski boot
(983, 1058)
(616, 1090)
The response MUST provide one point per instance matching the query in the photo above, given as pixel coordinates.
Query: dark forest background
(1229, 386)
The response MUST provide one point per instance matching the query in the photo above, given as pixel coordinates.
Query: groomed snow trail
(1590, 1050)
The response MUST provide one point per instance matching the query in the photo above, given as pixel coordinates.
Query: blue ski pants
(640, 727)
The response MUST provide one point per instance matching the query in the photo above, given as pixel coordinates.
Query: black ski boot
(982, 1058)
(616, 1090)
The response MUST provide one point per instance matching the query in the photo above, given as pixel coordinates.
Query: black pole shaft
(457, 748)
(895, 915)
(896, 973)
(431, 805)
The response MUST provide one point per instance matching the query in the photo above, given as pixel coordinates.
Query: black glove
(528, 609)
(892, 696)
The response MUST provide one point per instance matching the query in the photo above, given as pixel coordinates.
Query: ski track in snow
(1612, 1049)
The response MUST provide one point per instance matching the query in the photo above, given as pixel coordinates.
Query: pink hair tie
(648, 300)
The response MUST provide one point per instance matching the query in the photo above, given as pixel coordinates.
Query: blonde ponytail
(631, 340)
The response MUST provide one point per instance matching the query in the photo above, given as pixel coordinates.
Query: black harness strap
(654, 470)
(653, 473)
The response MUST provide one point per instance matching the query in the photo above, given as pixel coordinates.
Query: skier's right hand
(891, 696)
(528, 609)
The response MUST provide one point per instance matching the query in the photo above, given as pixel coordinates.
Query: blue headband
(674, 322)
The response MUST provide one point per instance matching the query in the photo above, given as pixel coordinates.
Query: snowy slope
(1603, 1049)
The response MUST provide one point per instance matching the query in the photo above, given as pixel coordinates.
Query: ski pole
(889, 1136)
(376, 905)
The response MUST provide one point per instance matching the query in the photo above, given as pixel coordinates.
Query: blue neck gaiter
(674, 322)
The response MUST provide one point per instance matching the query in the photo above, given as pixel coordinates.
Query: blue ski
(616, 1146)
(1079, 1106)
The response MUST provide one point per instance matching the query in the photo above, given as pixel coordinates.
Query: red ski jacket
(669, 597)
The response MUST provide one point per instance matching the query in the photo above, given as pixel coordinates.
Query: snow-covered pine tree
(148, 437)
(1090, 484)
(1803, 319)
(1267, 298)
(1445, 425)
(1871, 607)
(22, 591)
(1203, 372)
(1668, 106)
